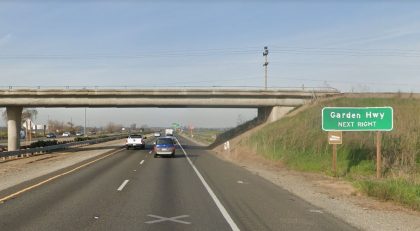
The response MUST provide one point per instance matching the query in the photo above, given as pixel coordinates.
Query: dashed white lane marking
(241, 182)
(315, 211)
(219, 205)
(141, 162)
(122, 185)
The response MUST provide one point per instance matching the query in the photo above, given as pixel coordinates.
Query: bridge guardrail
(57, 147)
(103, 87)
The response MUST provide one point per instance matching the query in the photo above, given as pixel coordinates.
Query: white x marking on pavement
(173, 219)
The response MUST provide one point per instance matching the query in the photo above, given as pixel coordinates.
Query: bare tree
(112, 127)
(133, 126)
(55, 125)
(70, 127)
(27, 113)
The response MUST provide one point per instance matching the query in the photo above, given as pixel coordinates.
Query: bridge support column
(271, 114)
(14, 122)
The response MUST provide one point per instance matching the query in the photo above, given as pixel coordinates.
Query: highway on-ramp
(131, 190)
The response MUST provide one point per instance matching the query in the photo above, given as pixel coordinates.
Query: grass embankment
(300, 143)
(206, 135)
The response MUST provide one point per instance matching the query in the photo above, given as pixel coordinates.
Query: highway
(131, 190)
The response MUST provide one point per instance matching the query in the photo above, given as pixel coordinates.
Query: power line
(226, 51)
(381, 83)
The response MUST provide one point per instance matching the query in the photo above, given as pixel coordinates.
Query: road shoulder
(333, 195)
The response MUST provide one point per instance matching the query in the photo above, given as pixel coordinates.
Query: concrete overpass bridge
(271, 104)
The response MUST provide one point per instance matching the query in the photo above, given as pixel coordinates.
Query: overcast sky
(359, 46)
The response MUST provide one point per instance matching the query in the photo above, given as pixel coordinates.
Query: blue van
(164, 146)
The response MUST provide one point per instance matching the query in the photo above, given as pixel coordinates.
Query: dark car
(51, 135)
(164, 146)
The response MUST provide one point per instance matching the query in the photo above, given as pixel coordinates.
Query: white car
(157, 134)
(169, 132)
(65, 134)
(134, 141)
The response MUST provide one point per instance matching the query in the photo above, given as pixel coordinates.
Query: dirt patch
(336, 187)
(47, 157)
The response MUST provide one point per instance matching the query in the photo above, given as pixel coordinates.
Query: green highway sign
(175, 125)
(357, 118)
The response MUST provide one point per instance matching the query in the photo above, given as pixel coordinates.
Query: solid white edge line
(122, 185)
(219, 205)
(141, 162)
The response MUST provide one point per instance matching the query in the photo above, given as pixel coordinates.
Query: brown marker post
(334, 138)
(378, 154)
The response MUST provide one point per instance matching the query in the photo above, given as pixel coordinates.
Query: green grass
(300, 143)
(206, 135)
(400, 190)
(3, 134)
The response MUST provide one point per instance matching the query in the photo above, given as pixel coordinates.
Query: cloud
(5, 39)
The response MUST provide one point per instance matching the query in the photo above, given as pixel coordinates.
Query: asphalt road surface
(131, 190)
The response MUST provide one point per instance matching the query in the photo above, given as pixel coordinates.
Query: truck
(134, 141)
(169, 132)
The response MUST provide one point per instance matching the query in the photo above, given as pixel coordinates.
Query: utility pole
(265, 54)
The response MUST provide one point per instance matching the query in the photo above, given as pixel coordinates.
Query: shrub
(77, 139)
(43, 143)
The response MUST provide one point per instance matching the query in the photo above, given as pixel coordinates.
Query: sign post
(334, 138)
(334, 161)
(359, 119)
(378, 154)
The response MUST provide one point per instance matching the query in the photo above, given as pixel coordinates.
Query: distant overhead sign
(357, 118)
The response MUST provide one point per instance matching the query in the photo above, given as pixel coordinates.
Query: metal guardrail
(57, 147)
